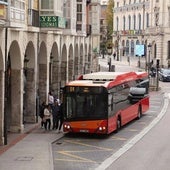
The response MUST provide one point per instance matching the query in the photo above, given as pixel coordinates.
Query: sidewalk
(29, 150)
(32, 150)
(132, 65)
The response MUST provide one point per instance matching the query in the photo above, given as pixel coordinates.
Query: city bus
(103, 102)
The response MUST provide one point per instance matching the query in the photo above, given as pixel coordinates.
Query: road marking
(131, 130)
(83, 144)
(134, 140)
(77, 158)
(118, 138)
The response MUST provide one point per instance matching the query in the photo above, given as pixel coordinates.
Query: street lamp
(51, 62)
(109, 51)
(26, 60)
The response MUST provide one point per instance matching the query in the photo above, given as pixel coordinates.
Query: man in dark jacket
(55, 114)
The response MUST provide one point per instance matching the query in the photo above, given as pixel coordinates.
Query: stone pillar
(30, 97)
(63, 73)
(17, 101)
(43, 82)
(1, 107)
(55, 79)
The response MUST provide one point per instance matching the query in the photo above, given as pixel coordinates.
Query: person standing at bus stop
(47, 117)
(50, 99)
(55, 114)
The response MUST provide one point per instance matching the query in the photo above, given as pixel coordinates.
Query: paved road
(152, 152)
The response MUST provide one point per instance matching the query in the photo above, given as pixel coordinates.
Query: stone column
(1, 107)
(17, 101)
(43, 82)
(30, 97)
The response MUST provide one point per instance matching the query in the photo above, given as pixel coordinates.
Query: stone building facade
(144, 22)
(44, 44)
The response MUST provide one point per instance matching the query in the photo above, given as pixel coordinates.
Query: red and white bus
(102, 102)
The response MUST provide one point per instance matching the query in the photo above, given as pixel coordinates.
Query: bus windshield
(85, 106)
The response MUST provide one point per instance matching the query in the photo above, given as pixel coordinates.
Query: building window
(117, 4)
(124, 23)
(67, 13)
(129, 22)
(139, 21)
(169, 16)
(147, 20)
(134, 22)
(124, 2)
(3, 0)
(47, 4)
(168, 57)
(117, 25)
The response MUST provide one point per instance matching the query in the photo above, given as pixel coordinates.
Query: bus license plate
(84, 131)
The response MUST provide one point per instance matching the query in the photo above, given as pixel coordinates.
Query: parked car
(164, 74)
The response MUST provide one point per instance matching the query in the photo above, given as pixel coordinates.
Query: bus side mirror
(136, 94)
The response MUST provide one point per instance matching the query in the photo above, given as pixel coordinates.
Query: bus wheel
(118, 124)
(139, 112)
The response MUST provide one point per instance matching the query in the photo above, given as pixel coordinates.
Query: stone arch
(43, 74)
(15, 89)
(63, 66)
(29, 102)
(70, 63)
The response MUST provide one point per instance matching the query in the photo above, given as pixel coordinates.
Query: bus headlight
(102, 128)
(67, 126)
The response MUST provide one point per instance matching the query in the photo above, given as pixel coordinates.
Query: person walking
(47, 117)
(55, 115)
(41, 113)
(114, 55)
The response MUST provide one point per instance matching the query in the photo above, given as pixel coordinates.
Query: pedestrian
(41, 113)
(114, 55)
(47, 117)
(55, 114)
(50, 99)
(61, 116)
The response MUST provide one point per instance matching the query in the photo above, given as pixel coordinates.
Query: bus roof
(106, 79)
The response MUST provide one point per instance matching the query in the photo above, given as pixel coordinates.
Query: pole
(6, 89)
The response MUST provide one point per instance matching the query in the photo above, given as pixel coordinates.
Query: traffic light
(157, 63)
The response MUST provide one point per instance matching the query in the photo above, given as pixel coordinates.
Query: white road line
(134, 140)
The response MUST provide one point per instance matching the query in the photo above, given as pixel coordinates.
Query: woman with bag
(47, 117)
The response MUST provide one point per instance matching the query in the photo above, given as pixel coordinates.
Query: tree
(109, 19)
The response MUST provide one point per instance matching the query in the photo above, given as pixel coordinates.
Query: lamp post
(109, 51)
(51, 69)
(26, 60)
